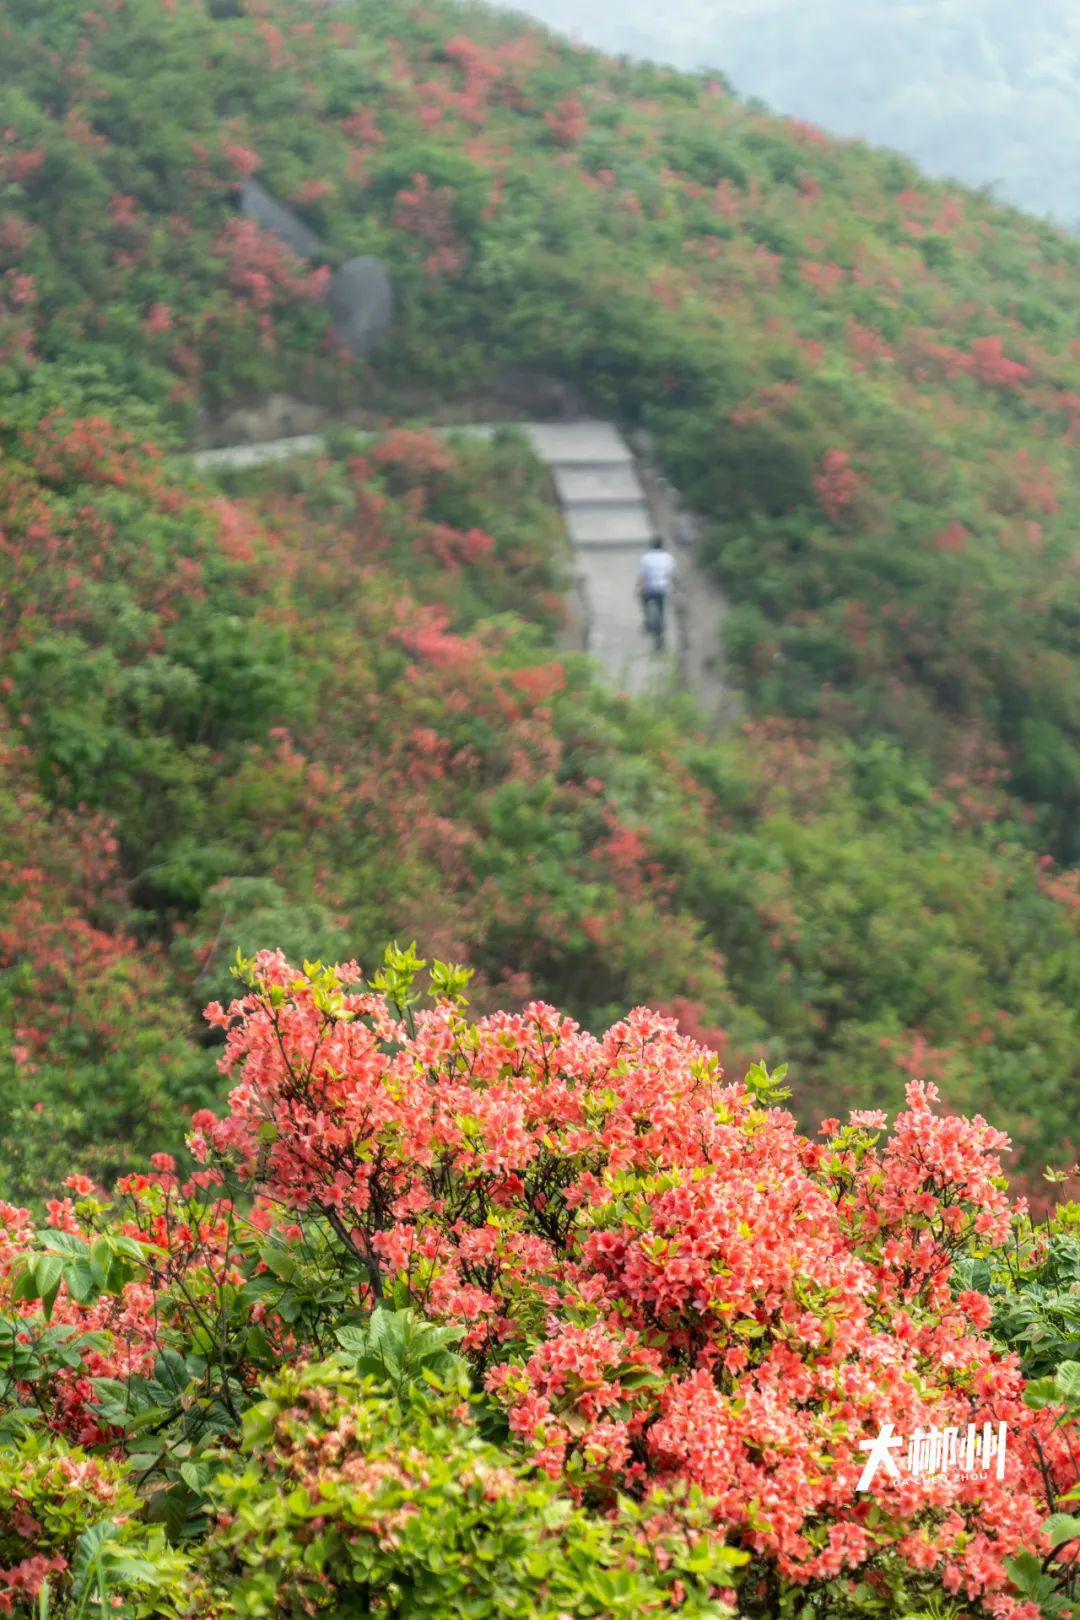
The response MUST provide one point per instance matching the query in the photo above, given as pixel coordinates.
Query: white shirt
(656, 571)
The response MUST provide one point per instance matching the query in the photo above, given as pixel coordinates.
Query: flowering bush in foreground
(656, 1284)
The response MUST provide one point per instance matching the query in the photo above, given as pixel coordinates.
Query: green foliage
(1036, 1289)
(86, 1272)
(400, 1350)
(346, 1500)
(1034, 1284)
(778, 892)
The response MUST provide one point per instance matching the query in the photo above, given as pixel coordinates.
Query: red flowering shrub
(823, 278)
(158, 319)
(837, 485)
(426, 212)
(656, 1277)
(993, 367)
(568, 123)
(80, 1072)
(664, 1281)
(416, 457)
(242, 158)
(262, 271)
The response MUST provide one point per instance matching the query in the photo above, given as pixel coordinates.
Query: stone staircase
(610, 522)
(597, 482)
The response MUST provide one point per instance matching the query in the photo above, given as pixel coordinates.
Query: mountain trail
(613, 502)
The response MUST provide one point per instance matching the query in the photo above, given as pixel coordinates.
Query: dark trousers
(653, 603)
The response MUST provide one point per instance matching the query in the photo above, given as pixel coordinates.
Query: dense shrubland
(306, 712)
(497, 1317)
(869, 381)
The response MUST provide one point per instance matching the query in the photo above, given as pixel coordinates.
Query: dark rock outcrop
(273, 217)
(360, 299)
(360, 296)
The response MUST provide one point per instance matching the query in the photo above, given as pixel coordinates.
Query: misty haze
(982, 91)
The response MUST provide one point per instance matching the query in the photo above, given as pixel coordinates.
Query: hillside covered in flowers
(323, 1290)
(313, 712)
(326, 708)
(869, 382)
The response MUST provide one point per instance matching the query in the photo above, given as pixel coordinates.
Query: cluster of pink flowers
(992, 365)
(25, 1579)
(569, 122)
(660, 1279)
(262, 272)
(427, 212)
(837, 485)
(242, 158)
(663, 1279)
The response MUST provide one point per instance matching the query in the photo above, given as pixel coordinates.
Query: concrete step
(624, 523)
(584, 486)
(575, 444)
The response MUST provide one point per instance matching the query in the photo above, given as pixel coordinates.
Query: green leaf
(1062, 1527)
(1067, 1379)
(195, 1475)
(131, 1248)
(640, 1378)
(64, 1243)
(86, 1558)
(81, 1284)
(1026, 1573)
(352, 1338)
(1042, 1392)
(170, 1371)
(48, 1274)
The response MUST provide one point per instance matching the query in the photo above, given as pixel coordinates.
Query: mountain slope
(330, 712)
(868, 382)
